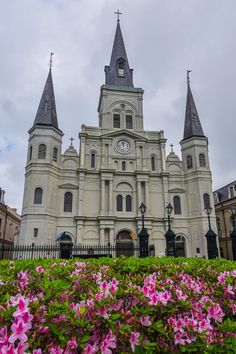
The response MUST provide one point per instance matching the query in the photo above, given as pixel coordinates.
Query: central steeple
(118, 72)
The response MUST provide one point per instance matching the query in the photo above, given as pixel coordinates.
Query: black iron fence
(66, 251)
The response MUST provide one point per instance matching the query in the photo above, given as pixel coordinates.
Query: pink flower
(22, 347)
(8, 349)
(39, 269)
(3, 335)
(22, 306)
(91, 349)
(37, 351)
(180, 295)
(56, 350)
(134, 340)
(107, 343)
(221, 279)
(179, 339)
(204, 325)
(145, 321)
(19, 330)
(216, 313)
(153, 299)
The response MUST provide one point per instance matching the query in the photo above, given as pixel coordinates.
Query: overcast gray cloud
(163, 39)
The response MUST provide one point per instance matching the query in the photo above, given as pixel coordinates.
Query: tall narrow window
(119, 202)
(206, 200)
(121, 67)
(116, 121)
(38, 196)
(128, 203)
(123, 166)
(129, 121)
(153, 167)
(231, 191)
(92, 160)
(42, 151)
(202, 160)
(54, 154)
(30, 152)
(36, 232)
(177, 205)
(218, 227)
(189, 162)
(68, 202)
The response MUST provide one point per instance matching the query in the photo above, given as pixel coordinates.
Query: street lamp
(170, 235)
(232, 211)
(212, 249)
(143, 235)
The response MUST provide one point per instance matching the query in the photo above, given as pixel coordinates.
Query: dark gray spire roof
(47, 114)
(192, 125)
(118, 52)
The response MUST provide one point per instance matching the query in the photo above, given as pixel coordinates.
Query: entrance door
(65, 246)
(124, 244)
(180, 246)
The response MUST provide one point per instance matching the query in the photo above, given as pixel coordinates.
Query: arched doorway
(66, 245)
(124, 244)
(180, 246)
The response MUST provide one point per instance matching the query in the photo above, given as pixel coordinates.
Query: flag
(132, 234)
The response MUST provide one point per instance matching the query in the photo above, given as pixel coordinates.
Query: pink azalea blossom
(179, 338)
(204, 325)
(19, 330)
(180, 295)
(37, 351)
(91, 349)
(22, 347)
(107, 343)
(134, 340)
(216, 313)
(39, 269)
(145, 321)
(8, 349)
(3, 335)
(22, 306)
(56, 350)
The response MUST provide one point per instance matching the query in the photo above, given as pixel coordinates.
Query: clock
(123, 146)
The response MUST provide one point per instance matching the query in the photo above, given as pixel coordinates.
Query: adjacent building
(10, 221)
(225, 203)
(93, 196)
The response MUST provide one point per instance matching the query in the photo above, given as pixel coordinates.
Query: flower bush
(117, 306)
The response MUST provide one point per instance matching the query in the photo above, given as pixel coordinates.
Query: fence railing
(66, 251)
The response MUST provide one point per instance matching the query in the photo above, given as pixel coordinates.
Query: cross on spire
(50, 62)
(188, 78)
(118, 13)
(171, 146)
(71, 142)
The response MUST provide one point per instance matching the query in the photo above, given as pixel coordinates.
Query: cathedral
(92, 197)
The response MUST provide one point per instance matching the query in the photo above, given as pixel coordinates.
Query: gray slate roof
(223, 192)
(192, 125)
(47, 114)
(118, 51)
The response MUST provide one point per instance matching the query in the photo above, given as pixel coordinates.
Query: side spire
(119, 72)
(192, 125)
(47, 114)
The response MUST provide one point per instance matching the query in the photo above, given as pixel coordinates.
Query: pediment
(68, 186)
(176, 190)
(124, 132)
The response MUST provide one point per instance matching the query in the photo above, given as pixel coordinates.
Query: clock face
(123, 146)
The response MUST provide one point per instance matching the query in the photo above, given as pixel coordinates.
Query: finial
(171, 146)
(50, 62)
(188, 78)
(118, 13)
(71, 143)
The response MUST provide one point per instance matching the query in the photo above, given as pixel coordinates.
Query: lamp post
(170, 235)
(143, 235)
(212, 249)
(232, 211)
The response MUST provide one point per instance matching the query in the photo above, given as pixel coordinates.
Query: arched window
(218, 227)
(129, 121)
(153, 167)
(68, 197)
(202, 160)
(54, 157)
(121, 67)
(116, 120)
(119, 202)
(206, 200)
(38, 196)
(177, 205)
(123, 166)
(92, 160)
(128, 203)
(189, 162)
(42, 151)
(30, 152)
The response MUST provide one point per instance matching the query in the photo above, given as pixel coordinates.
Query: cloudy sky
(163, 39)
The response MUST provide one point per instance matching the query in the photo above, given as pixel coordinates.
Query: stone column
(81, 194)
(111, 236)
(82, 151)
(147, 196)
(110, 197)
(102, 196)
(138, 196)
(163, 157)
(102, 236)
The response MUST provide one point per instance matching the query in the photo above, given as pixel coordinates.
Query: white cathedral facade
(93, 196)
